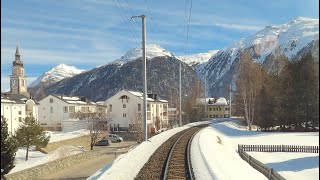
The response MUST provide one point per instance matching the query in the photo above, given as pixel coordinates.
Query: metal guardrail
(266, 171)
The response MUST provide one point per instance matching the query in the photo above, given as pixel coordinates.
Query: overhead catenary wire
(124, 19)
(128, 19)
(188, 27)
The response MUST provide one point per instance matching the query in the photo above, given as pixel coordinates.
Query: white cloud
(35, 56)
(240, 26)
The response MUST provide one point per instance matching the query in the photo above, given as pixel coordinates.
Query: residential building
(216, 107)
(56, 110)
(125, 110)
(17, 104)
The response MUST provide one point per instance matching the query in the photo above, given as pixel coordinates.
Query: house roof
(213, 101)
(74, 99)
(140, 95)
(13, 98)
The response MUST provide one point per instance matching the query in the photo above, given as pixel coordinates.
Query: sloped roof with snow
(74, 99)
(213, 101)
(13, 98)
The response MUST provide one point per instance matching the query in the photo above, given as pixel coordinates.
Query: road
(85, 169)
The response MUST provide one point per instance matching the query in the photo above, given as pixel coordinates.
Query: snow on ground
(36, 157)
(128, 165)
(291, 165)
(59, 135)
(223, 162)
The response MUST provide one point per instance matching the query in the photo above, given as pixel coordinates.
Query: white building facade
(15, 108)
(58, 112)
(126, 107)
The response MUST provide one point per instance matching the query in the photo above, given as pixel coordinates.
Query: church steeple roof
(17, 51)
(17, 60)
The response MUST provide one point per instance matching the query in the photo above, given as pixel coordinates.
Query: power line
(124, 19)
(153, 25)
(124, 12)
(186, 47)
(130, 9)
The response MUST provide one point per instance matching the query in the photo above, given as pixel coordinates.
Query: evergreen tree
(9, 148)
(31, 134)
(265, 109)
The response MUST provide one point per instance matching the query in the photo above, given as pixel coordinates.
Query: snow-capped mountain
(199, 58)
(126, 73)
(57, 74)
(152, 50)
(290, 39)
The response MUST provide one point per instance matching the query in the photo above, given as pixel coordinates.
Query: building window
(44, 116)
(124, 106)
(20, 119)
(87, 109)
(124, 98)
(65, 109)
(72, 109)
(139, 107)
(51, 109)
(124, 115)
(210, 109)
(110, 107)
(43, 124)
(19, 112)
(83, 109)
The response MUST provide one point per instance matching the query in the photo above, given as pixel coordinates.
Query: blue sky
(89, 33)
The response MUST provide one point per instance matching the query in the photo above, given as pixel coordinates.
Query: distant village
(121, 112)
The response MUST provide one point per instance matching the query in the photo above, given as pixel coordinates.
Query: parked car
(102, 142)
(114, 138)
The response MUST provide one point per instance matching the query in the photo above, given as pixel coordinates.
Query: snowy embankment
(36, 157)
(128, 165)
(213, 160)
(59, 135)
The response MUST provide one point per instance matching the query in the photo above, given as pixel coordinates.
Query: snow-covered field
(223, 162)
(36, 157)
(213, 160)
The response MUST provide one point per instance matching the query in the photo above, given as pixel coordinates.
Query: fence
(268, 172)
(280, 148)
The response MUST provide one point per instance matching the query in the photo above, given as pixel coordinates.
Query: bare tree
(135, 126)
(97, 122)
(249, 83)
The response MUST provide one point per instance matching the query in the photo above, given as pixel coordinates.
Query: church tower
(18, 81)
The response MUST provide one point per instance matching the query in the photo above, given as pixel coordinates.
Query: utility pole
(205, 97)
(230, 102)
(180, 113)
(144, 75)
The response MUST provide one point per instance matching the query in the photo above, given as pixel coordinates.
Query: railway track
(172, 159)
(178, 165)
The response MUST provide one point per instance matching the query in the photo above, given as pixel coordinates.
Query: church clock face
(51, 100)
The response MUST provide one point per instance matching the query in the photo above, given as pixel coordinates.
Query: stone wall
(53, 166)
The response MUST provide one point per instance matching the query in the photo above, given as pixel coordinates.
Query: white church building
(17, 104)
